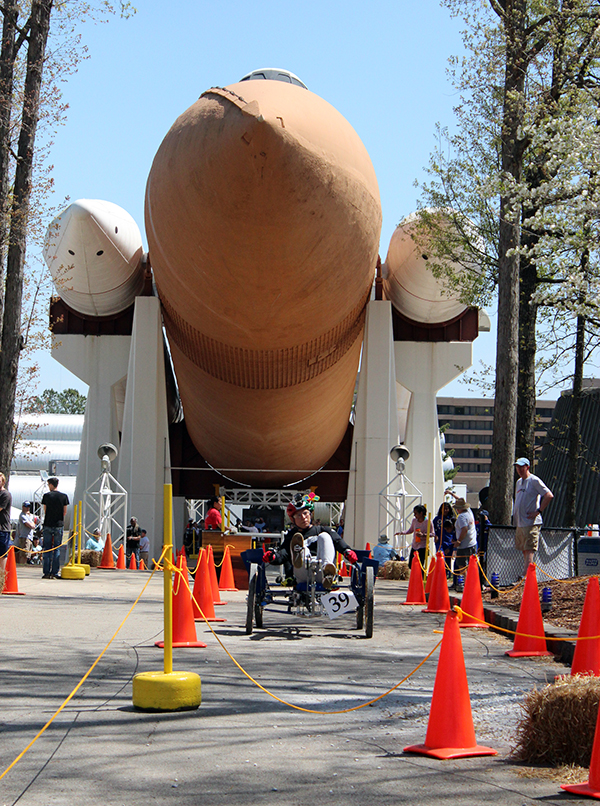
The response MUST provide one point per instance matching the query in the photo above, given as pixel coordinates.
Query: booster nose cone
(410, 284)
(93, 250)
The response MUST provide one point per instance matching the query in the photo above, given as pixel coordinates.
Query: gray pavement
(241, 746)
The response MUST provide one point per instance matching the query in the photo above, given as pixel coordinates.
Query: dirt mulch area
(568, 596)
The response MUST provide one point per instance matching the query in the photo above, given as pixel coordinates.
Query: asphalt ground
(242, 746)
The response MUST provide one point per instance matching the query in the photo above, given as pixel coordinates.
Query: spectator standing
(466, 538)
(25, 527)
(418, 529)
(531, 499)
(54, 504)
(5, 505)
(213, 519)
(188, 538)
(145, 547)
(132, 543)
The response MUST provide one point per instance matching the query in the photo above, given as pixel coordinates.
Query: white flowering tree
(517, 175)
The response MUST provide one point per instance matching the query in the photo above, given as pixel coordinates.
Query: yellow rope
(43, 551)
(505, 590)
(566, 581)
(82, 681)
(462, 613)
(284, 702)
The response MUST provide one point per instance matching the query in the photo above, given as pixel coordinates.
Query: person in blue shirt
(384, 552)
(94, 541)
(445, 543)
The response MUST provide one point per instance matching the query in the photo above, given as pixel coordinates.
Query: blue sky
(382, 65)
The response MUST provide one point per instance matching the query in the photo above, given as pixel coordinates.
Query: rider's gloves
(268, 556)
(351, 556)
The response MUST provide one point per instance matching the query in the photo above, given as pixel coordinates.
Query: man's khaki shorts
(527, 538)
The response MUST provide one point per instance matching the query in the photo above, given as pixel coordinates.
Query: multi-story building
(468, 428)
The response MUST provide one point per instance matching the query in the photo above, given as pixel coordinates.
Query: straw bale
(394, 569)
(558, 722)
(91, 558)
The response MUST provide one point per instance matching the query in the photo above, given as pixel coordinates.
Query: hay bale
(559, 722)
(91, 558)
(394, 569)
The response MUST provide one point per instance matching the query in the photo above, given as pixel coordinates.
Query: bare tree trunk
(7, 67)
(574, 427)
(507, 353)
(11, 324)
(525, 441)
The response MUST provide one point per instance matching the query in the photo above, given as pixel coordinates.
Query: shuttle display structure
(263, 220)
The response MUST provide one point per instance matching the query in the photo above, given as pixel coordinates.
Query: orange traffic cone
(214, 583)
(182, 563)
(472, 603)
(142, 566)
(11, 586)
(368, 548)
(107, 556)
(439, 599)
(132, 562)
(226, 580)
(202, 600)
(416, 591)
(591, 788)
(529, 639)
(450, 731)
(184, 627)
(586, 659)
(120, 559)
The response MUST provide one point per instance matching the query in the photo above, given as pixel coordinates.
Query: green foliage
(52, 402)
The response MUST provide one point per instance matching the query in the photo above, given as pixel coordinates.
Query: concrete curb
(559, 640)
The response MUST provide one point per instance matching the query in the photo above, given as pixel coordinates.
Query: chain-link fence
(555, 554)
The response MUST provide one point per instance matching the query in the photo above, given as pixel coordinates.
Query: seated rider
(305, 543)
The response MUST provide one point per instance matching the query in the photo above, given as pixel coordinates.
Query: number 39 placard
(339, 602)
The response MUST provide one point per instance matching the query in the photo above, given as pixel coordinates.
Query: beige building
(468, 433)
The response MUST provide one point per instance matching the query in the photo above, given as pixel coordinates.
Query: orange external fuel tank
(263, 220)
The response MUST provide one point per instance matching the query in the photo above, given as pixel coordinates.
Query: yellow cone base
(157, 691)
(72, 572)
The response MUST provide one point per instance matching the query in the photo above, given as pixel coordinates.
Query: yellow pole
(80, 531)
(168, 593)
(222, 513)
(74, 530)
(427, 548)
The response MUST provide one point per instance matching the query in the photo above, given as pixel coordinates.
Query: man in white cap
(531, 499)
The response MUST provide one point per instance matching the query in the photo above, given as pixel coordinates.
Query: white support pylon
(101, 362)
(424, 368)
(375, 427)
(144, 452)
